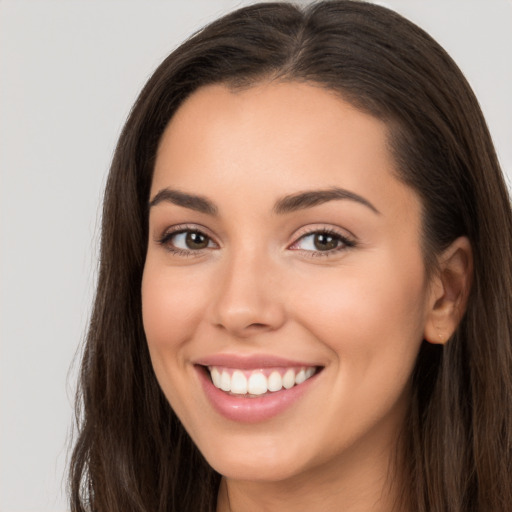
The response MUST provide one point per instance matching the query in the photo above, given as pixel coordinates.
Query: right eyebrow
(312, 198)
(193, 202)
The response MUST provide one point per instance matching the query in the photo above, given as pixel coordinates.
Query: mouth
(258, 382)
(255, 388)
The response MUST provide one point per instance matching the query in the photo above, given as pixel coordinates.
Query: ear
(449, 291)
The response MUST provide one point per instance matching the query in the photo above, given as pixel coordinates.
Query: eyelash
(167, 237)
(344, 242)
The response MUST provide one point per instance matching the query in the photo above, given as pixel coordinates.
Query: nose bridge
(248, 299)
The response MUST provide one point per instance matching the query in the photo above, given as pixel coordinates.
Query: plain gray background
(69, 73)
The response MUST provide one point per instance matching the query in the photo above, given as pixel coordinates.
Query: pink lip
(251, 362)
(251, 409)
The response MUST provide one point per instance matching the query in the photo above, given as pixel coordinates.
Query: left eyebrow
(190, 201)
(312, 198)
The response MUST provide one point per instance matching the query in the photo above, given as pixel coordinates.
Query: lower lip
(254, 409)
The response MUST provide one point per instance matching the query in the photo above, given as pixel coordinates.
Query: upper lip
(248, 362)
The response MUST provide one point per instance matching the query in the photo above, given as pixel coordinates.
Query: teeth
(215, 377)
(289, 379)
(274, 382)
(256, 383)
(225, 381)
(300, 377)
(239, 383)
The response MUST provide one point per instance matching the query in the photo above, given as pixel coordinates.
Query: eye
(322, 241)
(185, 241)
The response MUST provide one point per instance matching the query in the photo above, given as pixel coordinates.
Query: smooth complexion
(237, 270)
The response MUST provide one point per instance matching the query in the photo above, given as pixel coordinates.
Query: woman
(304, 291)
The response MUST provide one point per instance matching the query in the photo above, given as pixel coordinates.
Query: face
(284, 291)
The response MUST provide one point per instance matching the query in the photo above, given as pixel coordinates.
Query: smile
(255, 388)
(255, 383)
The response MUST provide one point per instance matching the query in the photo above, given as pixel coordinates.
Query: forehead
(274, 139)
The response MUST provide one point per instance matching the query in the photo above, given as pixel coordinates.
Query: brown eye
(187, 241)
(322, 243)
(196, 240)
(325, 241)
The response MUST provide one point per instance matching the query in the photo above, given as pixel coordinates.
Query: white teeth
(256, 383)
(215, 377)
(238, 383)
(289, 379)
(225, 381)
(275, 382)
(300, 377)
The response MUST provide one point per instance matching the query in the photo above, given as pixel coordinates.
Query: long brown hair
(131, 453)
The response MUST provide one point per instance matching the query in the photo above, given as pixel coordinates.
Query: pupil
(325, 242)
(196, 240)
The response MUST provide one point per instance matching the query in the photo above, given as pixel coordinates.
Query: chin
(246, 469)
(258, 460)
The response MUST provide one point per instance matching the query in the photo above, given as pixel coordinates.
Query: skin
(262, 287)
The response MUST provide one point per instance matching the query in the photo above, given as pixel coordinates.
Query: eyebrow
(312, 198)
(286, 204)
(193, 202)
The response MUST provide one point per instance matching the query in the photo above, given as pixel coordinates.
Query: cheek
(171, 309)
(368, 314)
(372, 323)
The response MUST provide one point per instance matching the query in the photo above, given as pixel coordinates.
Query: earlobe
(450, 291)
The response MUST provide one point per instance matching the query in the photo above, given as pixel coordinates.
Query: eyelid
(179, 228)
(324, 228)
(171, 231)
(347, 239)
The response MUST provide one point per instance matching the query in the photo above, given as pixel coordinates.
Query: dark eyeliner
(170, 233)
(346, 242)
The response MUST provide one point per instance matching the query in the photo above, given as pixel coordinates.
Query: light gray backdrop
(69, 72)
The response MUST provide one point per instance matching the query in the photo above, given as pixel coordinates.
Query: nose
(248, 301)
